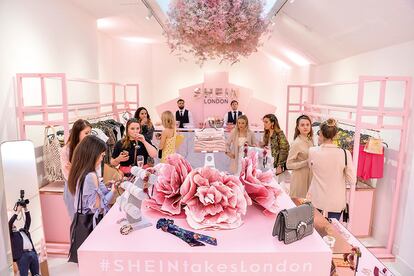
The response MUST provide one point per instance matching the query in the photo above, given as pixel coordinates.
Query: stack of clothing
(209, 139)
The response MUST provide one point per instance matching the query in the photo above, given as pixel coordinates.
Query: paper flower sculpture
(166, 197)
(261, 186)
(215, 29)
(213, 199)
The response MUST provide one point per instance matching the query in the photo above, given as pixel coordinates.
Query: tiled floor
(59, 266)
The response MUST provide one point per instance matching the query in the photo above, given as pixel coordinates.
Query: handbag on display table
(294, 224)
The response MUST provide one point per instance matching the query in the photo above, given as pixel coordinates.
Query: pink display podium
(249, 249)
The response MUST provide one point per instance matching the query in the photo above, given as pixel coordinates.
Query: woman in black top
(144, 119)
(130, 146)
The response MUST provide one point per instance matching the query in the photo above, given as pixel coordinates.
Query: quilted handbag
(294, 224)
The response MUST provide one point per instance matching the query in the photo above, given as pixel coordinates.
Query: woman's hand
(123, 156)
(141, 138)
(279, 169)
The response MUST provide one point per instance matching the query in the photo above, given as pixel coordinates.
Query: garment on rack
(118, 128)
(191, 238)
(100, 134)
(344, 138)
(107, 128)
(370, 165)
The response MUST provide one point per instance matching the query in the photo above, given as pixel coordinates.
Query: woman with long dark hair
(80, 129)
(144, 119)
(276, 140)
(297, 160)
(91, 196)
(130, 146)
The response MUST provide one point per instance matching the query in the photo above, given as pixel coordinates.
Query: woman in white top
(330, 174)
(297, 160)
(80, 129)
(238, 137)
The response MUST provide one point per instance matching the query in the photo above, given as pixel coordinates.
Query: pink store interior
(183, 137)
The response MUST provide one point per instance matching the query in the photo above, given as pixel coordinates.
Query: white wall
(125, 61)
(44, 36)
(396, 61)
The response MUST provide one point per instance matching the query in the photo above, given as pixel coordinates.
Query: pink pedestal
(364, 202)
(249, 249)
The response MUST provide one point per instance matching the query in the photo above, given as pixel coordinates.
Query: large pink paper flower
(213, 200)
(166, 196)
(260, 186)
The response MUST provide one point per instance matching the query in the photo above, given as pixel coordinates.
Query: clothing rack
(307, 103)
(64, 109)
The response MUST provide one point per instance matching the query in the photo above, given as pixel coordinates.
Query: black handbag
(81, 227)
(294, 224)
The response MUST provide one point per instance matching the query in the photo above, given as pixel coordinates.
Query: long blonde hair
(168, 119)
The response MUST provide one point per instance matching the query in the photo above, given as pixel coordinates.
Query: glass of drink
(140, 161)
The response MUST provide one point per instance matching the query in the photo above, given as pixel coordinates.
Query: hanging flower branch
(212, 29)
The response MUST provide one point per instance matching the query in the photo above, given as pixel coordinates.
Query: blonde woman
(240, 135)
(168, 135)
(297, 160)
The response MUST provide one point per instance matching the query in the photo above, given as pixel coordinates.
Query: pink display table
(246, 250)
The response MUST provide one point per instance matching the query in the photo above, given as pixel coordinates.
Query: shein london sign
(217, 95)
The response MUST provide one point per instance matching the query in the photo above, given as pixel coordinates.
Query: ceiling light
(139, 39)
(104, 23)
(296, 58)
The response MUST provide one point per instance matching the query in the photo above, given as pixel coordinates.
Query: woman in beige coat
(297, 160)
(240, 135)
(331, 171)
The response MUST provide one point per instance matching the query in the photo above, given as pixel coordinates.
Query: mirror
(18, 165)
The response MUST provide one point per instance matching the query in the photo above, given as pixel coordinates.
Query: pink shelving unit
(307, 102)
(92, 110)
(54, 214)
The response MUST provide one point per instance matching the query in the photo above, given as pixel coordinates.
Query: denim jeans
(332, 215)
(28, 261)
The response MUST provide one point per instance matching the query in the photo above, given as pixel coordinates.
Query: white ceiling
(321, 30)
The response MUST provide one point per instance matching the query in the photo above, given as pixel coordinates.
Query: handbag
(51, 156)
(113, 174)
(294, 224)
(374, 146)
(81, 227)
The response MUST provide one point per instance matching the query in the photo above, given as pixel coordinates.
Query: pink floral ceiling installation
(215, 29)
